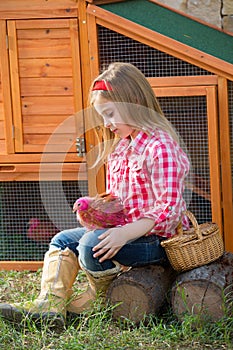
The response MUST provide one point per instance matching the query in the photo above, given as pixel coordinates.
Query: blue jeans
(142, 251)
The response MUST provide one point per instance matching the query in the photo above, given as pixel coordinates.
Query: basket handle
(193, 221)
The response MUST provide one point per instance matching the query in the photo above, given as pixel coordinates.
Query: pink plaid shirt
(148, 174)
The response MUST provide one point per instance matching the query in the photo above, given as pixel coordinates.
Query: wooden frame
(21, 265)
(213, 132)
(6, 88)
(224, 126)
(19, 9)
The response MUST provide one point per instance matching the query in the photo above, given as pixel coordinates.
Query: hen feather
(102, 211)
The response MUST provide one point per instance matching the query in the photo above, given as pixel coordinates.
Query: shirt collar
(138, 144)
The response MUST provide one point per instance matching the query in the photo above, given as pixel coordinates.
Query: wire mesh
(189, 116)
(187, 113)
(115, 47)
(25, 226)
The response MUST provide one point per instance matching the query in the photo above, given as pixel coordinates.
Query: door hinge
(80, 146)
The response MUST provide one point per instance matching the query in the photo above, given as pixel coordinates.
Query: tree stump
(206, 291)
(140, 291)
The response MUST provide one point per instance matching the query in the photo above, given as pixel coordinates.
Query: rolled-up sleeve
(169, 167)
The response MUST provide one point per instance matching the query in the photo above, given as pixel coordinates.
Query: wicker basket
(198, 246)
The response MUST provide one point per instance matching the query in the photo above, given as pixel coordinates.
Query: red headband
(102, 85)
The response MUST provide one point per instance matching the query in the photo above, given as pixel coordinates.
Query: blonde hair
(135, 99)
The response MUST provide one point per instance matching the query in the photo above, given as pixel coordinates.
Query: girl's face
(112, 119)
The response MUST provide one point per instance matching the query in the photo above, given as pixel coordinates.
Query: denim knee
(68, 239)
(85, 252)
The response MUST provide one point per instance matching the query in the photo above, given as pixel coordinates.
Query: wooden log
(206, 291)
(140, 291)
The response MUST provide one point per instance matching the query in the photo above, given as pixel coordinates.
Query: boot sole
(53, 321)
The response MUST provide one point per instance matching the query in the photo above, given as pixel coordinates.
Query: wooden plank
(5, 76)
(214, 156)
(17, 172)
(15, 89)
(202, 80)
(41, 48)
(77, 78)
(45, 129)
(225, 147)
(180, 91)
(48, 124)
(1, 111)
(36, 5)
(42, 13)
(47, 168)
(37, 158)
(101, 2)
(46, 23)
(97, 177)
(20, 265)
(160, 42)
(46, 33)
(2, 147)
(35, 105)
(19, 9)
(43, 172)
(46, 86)
(89, 50)
(49, 120)
(35, 177)
(84, 51)
(43, 139)
(93, 46)
(45, 67)
(50, 147)
(2, 130)
(76, 65)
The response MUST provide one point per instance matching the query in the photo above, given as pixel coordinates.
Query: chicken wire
(188, 114)
(115, 47)
(26, 227)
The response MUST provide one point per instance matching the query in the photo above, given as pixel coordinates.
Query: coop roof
(175, 26)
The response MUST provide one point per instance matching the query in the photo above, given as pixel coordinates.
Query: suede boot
(99, 281)
(59, 273)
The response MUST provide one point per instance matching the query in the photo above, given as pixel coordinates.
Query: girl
(146, 169)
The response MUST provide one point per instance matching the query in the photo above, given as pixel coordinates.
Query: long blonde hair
(135, 99)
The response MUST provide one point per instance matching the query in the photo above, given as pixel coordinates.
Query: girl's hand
(111, 242)
(115, 238)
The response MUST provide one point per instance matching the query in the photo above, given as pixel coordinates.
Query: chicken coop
(49, 53)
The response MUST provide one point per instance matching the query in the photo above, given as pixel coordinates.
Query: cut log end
(198, 298)
(130, 301)
(140, 292)
(206, 291)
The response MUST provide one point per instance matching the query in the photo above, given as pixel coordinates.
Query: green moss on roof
(175, 26)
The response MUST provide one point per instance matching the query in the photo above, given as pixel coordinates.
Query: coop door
(193, 111)
(46, 84)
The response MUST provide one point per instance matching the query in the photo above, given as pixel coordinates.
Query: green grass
(97, 330)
